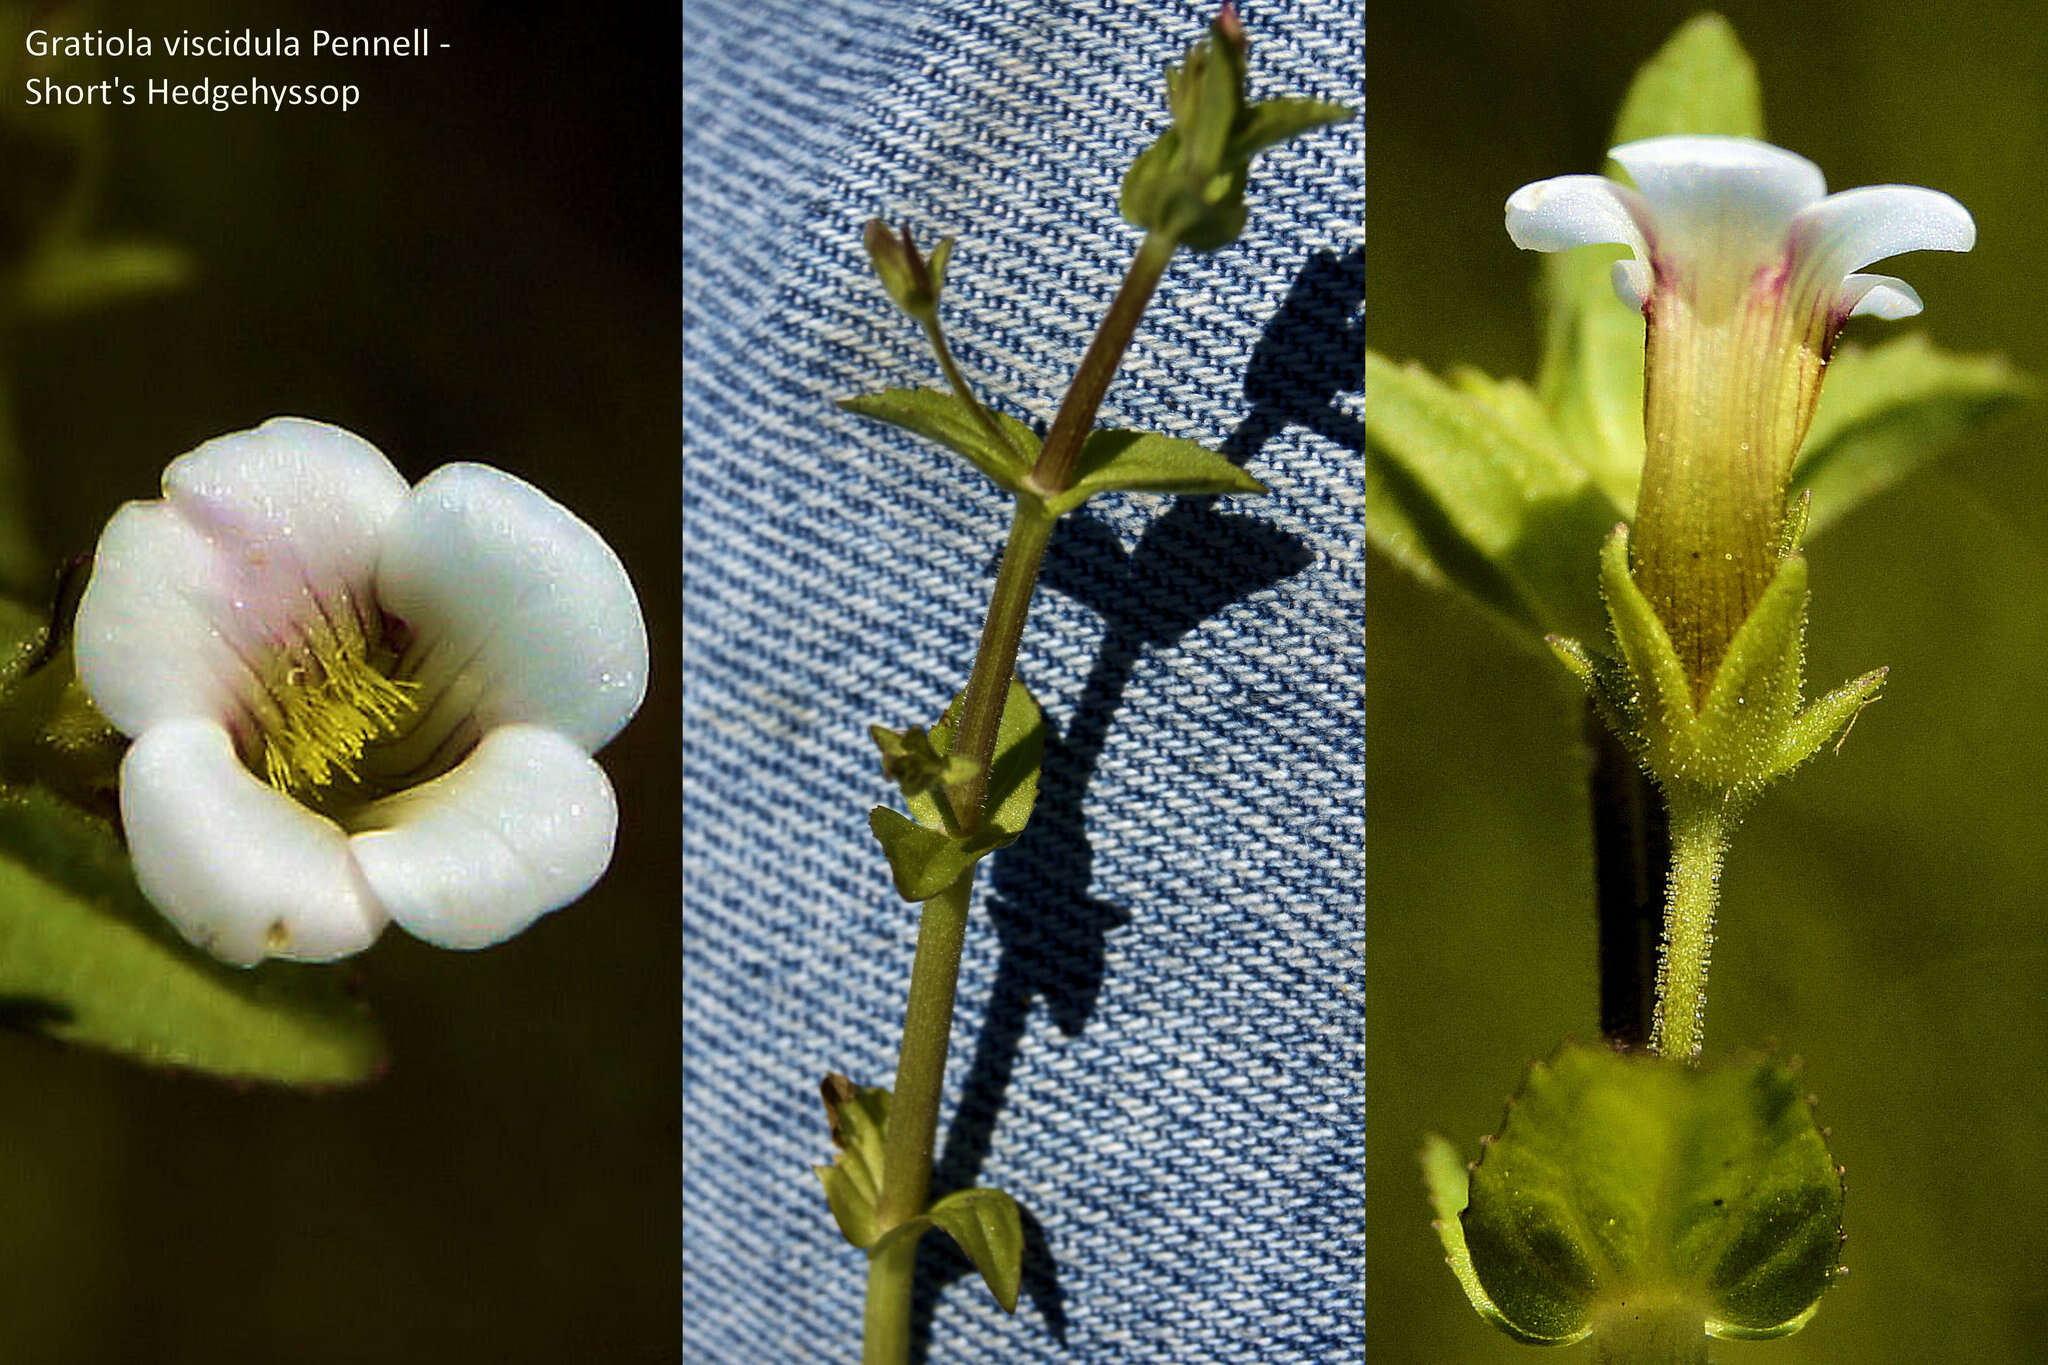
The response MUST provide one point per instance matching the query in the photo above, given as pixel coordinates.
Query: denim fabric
(1159, 1046)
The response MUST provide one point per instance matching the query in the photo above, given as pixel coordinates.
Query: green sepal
(954, 424)
(85, 959)
(1189, 184)
(1888, 409)
(910, 761)
(51, 734)
(1468, 482)
(923, 858)
(1752, 726)
(912, 281)
(1112, 460)
(984, 1223)
(1625, 1180)
(859, 1115)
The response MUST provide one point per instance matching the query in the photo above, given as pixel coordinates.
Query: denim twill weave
(1159, 1045)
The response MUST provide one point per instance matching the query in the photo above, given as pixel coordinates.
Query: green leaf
(1591, 378)
(85, 959)
(1113, 460)
(1270, 122)
(1886, 410)
(1471, 481)
(1700, 81)
(923, 859)
(956, 425)
(1445, 1174)
(859, 1115)
(988, 1226)
(1623, 1180)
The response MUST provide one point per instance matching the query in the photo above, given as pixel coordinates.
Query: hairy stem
(1699, 843)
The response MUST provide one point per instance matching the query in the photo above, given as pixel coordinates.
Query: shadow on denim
(1191, 563)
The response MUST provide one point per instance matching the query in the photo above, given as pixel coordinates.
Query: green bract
(1625, 1194)
(924, 855)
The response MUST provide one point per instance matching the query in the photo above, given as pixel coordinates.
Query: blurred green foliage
(477, 262)
(1882, 914)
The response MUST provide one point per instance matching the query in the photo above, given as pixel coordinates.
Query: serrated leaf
(1626, 1178)
(1445, 1175)
(1591, 378)
(923, 859)
(1886, 410)
(956, 425)
(859, 1116)
(85, 959)
(1476, 483)
(1117, 461)
(987, 1225)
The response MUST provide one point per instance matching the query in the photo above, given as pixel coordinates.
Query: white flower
(355, 701)
(1745, 270)
(1712, 219)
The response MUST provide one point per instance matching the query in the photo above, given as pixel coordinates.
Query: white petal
(1878, 296)
(1632, 281)
(522, 827)
(1709, 192)
(520, 612)
(147, 641)
(1855, 228)
(241, 869)
(1575, 210)
(306, 493)
(256, 532)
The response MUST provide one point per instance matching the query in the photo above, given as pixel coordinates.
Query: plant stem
(936, 335)
(921, 1063)
(981, 708)
(885, 1334)
(1699, 843)
(1054, 472)
(988, 686)
(914, 1117)
(1631, 855)
(942, 929)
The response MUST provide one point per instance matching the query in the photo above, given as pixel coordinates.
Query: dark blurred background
(1885, 912)
(479, 261)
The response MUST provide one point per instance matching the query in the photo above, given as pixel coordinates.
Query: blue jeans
(1159, 1048)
